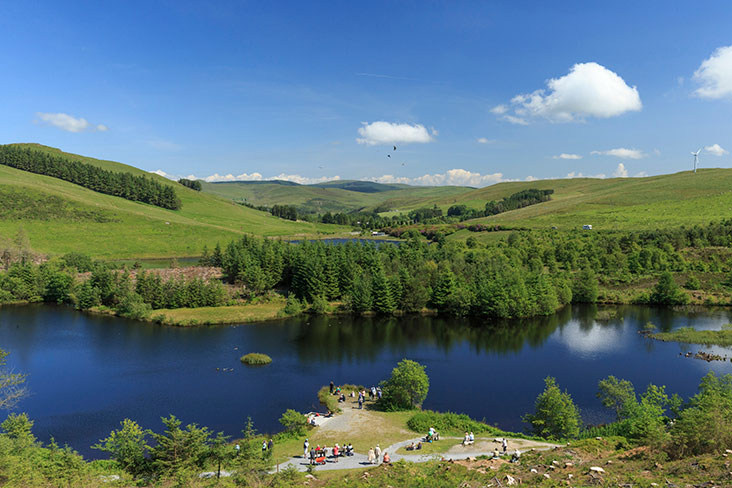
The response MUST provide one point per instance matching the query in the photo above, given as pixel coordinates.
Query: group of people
(469, 439)
(414, 447)
(266, 448)
(375, 457)
(318, 454)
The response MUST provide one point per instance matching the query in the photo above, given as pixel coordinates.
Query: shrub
(555, 414)
(255, 359)
(692, 283)
(447, 423)
(294, 422)
(293, 306)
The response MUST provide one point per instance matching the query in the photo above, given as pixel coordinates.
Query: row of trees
(125, 185)
(700, 425)
(192, 184)
(59, 281)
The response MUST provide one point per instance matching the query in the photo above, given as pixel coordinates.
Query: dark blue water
(86, 373)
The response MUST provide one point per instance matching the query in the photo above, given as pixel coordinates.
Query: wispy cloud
(484, 140)
(385, 133)
(567, 156)
(69, 123)
(454, 177)
(588, 90)
(303, 180)
(622, 152)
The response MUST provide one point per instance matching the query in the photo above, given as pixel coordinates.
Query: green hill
(653, 202)
(335, 196)
(61, 217)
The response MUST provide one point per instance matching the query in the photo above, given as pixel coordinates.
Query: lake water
(86, 373)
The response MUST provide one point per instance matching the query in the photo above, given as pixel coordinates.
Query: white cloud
(484, 140)
(69, 123)
(620, 171)
(623, 153)
(455, 177)
(385, 133)
(715, 75)
(303, 180)
(716, 149)
(567, 156)
(641, 174)
(575, 174)
(530, 178)
(162, 173)
(588, 90)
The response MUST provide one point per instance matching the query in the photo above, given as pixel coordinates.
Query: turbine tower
(696, 158)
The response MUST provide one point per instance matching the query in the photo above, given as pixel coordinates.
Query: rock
(598, 438)
(609, 461)
(597, 469)
(568, 465)
(510, 480)
(658, 466)
(570, 476)
(654, 484)
(552, 467)
(555, 463)
(728, 451)
(546, 475)
(471, 459)
(533, 470)
(310, 477)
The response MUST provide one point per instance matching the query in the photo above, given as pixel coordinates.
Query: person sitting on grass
(466, 440)
(472, 438)
(516, 456)
(349, 449)
(411, 447)
(419, 446)
(387, 459)
(496, 454)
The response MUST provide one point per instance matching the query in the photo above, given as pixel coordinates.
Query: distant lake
(86, 373)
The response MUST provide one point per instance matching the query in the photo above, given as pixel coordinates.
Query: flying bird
(395, 148)
(388, 155)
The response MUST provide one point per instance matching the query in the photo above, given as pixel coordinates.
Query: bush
(406, 388)
(293, 306)
(294, 422)
(255, 359)
(448, 423)
(692, 283)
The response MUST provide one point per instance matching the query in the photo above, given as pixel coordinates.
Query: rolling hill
(61, 217)
(652, 202)
(333, 196)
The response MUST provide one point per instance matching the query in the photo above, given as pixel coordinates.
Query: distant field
(618, 203)
(61, 217)
(329, 198)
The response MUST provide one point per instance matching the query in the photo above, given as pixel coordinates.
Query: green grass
(61, 217)
(231, 314)
(255, 359)
(661, 201)
(689, 335)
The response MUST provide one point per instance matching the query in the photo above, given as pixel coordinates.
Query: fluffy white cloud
(567, 156)
(484, 140)
(382, 132)
(623, 153)
(715, 75)
(456, 177)
(716, 149)
(620, 171)
(69, 123)
(588, 90)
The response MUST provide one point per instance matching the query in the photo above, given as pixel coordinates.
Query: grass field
(321, 199)
(233, 314)
(689, 335)
(61, 217)
(618, 203)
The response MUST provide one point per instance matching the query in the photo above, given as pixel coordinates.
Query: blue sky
(318, 90)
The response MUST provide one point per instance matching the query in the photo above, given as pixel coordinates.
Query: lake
(86, 373)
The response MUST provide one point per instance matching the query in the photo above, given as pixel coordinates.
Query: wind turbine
(696, 158)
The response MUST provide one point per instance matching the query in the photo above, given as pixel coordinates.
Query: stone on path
(597, 469)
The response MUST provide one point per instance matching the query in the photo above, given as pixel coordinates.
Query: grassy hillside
(618, 203)
(60, 217)
(332, 196)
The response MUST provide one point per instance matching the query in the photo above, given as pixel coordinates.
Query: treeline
(530, 273)
(125, 185)
(518, 200)
(77, 280)
(192, 184)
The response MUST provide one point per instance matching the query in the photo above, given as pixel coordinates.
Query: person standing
(504, 444)
(372, 455)
(264, 449)
(332, 386)
(336, 452)
(377, 451)
(306, 447)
